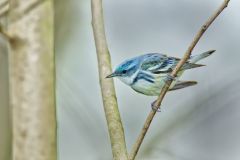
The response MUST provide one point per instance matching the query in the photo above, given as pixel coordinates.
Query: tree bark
(32, 79)
(5, 119)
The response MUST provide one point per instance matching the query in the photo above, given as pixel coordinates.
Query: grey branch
(164, 90)
(112, 114)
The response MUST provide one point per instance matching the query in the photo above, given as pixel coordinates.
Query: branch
(35, 4)
(3, 4)
(4, 33)
(164, 90)
(113, 118)
(4, 8)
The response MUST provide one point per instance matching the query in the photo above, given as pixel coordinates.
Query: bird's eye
(124, 71)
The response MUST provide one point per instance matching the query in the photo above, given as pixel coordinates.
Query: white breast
(148, 88)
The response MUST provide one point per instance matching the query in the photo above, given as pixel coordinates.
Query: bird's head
(125, 70)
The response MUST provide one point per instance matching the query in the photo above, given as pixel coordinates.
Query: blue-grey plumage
(147, 73)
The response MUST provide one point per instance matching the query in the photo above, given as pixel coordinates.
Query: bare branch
(3, 4)
(164, 90)
(4, 33)
(112, 114)
(4, 7)
(35, 4)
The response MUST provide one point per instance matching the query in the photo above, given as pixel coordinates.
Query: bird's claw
(154, 107)
(169, 77)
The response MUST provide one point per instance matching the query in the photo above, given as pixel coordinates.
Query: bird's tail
(182, 84)
(196, 58)
(191, 64)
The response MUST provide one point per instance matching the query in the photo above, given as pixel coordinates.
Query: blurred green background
(200, 122)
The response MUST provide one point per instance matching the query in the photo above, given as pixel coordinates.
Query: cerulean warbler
(148, 73)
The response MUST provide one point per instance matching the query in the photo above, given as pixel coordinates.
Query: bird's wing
(159, 63)
(187, 65)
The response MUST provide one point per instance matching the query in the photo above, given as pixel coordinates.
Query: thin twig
(4, 33)
(4, 12)
(3, 4)
(112, 114)
(4, 8)
(33, 6)
(164, 90)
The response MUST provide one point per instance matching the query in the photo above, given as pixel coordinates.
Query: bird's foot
(169, 77)
(154, 107)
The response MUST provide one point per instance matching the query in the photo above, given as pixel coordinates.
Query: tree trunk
(32, 79)
(5, 124)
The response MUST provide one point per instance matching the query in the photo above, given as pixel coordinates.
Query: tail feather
(182, 84)
(191, 65)
(198, 57)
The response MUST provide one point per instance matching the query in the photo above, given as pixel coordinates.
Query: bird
(148, 73)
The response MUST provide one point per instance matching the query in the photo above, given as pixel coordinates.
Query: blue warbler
(148, 73)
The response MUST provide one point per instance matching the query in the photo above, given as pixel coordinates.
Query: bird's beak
(111, 75)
